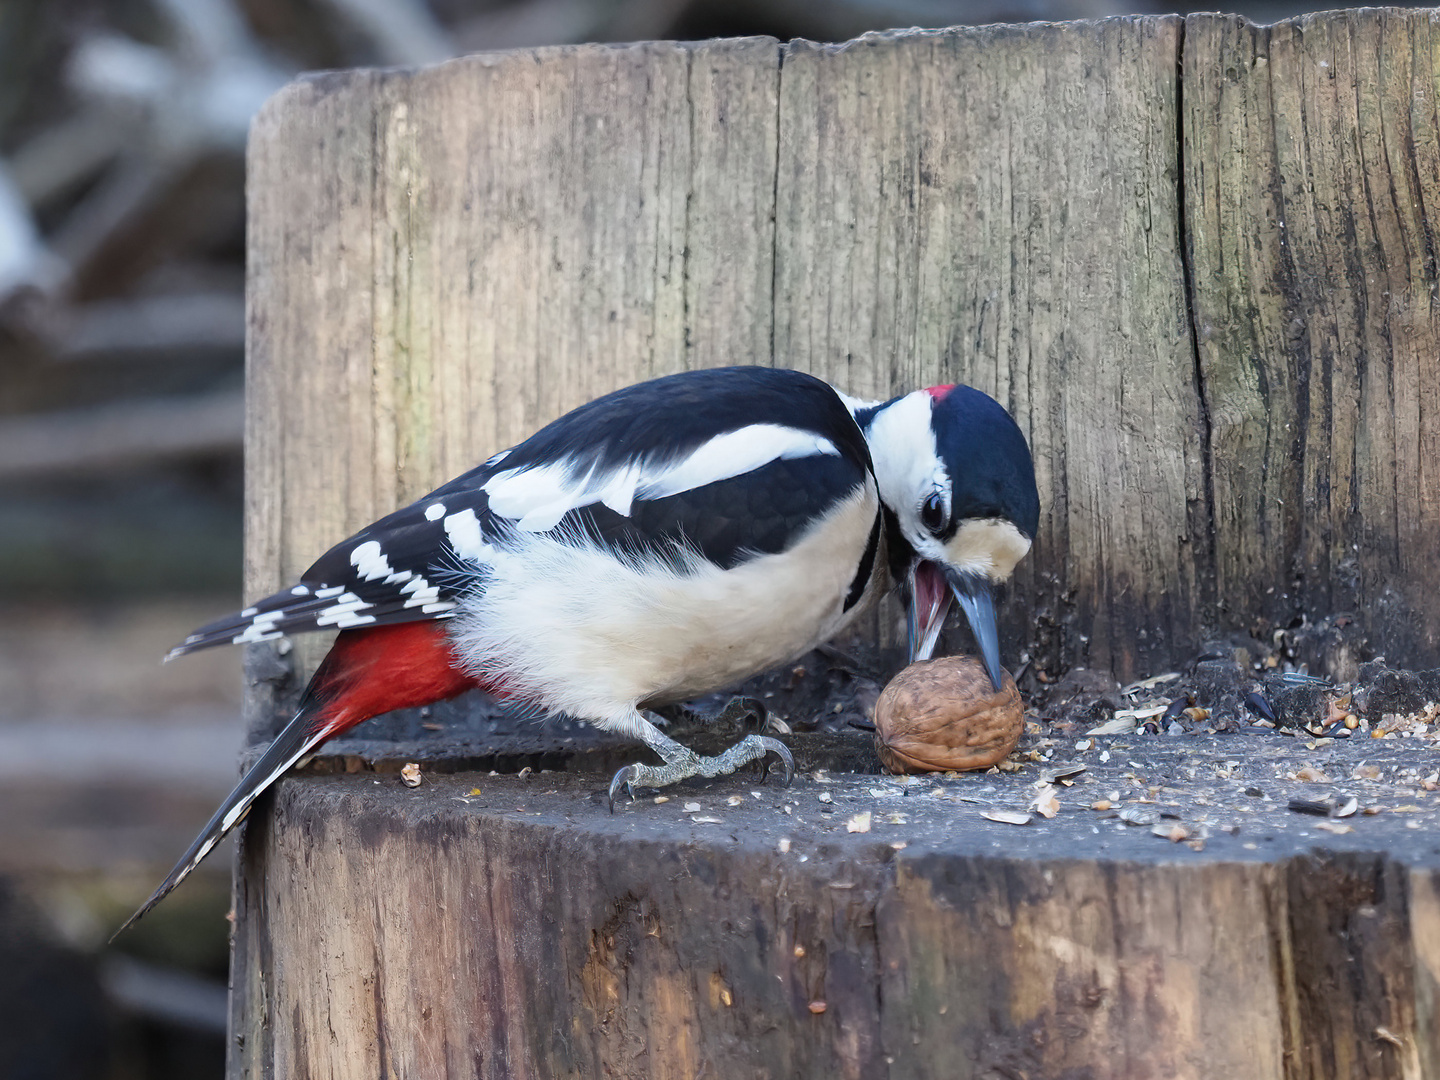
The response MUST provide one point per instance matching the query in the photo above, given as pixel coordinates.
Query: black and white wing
(729, 464)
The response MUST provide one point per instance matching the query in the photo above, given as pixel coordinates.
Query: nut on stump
(943, 714)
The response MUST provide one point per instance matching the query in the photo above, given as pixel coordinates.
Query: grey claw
(625, 778)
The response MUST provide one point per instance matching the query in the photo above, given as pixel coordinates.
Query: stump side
(495, 926)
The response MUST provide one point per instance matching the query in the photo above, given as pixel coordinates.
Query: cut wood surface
(504, 926)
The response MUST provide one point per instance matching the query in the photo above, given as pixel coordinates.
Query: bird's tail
(366, 673)
(298, 738)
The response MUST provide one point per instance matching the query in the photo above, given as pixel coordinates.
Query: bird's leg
(682, 763)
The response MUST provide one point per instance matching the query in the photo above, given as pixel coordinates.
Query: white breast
(575, 629)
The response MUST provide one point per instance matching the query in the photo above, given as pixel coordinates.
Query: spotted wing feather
(667, 466)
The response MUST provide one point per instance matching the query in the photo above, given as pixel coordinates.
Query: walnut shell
(943, 714)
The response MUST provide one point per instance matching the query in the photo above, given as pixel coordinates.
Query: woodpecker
(662, 542)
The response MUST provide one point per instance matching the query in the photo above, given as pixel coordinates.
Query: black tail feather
(298, 738)
(284, 614)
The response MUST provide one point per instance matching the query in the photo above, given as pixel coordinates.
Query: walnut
(943, 714)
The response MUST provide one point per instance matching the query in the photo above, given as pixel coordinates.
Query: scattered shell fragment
(1143, 712)
(1006, 817)
(825, 797)
(1150, 683)
(1139, 815)
(661, 799)
(1119, 725)
(1335, 827)
(1045, 803)
(859, 823)
(734, 800)
(707, 819)
(1309, 806)
(784, 845)
(1173, 831)
(1062, 772)
(1365, 772)
(817, 1007)
(1350, 806)
(1101, 804)
(1311, 775)
(691, 807)
(1197, 714)
(1260, 706)
(410, 774)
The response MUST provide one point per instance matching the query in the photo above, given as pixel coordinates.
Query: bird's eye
(932, 512)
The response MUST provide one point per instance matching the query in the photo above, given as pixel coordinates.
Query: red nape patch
(939, 392)
(369, 672)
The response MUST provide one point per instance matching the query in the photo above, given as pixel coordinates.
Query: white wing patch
(536, 498)
(369, 561)
(462, 528)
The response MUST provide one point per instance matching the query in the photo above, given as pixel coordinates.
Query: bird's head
(955, 475)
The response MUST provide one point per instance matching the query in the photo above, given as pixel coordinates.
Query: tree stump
(1192, 256)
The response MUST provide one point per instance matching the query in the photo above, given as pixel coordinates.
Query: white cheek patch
(538, 497)
(991, 548)
(907, 463)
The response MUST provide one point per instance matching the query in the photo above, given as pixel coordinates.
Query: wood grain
(1312, 178)
(998, 206)
(494, 926)
(442, 261)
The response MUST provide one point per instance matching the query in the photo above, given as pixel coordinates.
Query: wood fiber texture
(998, 207)
(1312, 180)
(1195, 259)
(442, 261)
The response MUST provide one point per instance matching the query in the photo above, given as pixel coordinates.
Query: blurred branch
(126, 433)
(154, 324)
(403, 32)
(24, 258)
(167, 995)
(54, 161)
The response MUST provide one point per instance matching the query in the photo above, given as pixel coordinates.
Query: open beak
(931, 588)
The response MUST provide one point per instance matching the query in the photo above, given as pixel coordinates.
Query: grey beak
(977, 600)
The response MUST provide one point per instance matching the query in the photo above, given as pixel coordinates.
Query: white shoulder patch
(854, 404)
(536, 498)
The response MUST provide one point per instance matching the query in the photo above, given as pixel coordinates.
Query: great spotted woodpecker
(659, 543)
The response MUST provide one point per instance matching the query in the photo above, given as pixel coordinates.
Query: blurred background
(122, 137)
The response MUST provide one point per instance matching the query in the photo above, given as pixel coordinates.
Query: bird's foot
(686, 763)
(748, 714)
